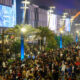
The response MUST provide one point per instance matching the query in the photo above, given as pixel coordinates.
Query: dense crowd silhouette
(59, 64)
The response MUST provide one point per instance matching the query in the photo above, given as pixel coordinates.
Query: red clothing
(77, 63)
(69, 79)
(19, 74)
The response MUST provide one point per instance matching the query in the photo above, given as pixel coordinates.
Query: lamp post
(61, 32)
(25, 7)
(26, 3)
(77, 32)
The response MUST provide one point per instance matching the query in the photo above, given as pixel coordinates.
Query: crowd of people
(59, 64)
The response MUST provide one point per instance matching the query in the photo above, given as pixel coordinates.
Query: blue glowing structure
(60, 41)
(22, 47)
(8, 15)
(76, 38)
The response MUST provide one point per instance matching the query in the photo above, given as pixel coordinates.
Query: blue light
(33, 57)
(22, 47)
(76, 38)
(60, 41)
(29, 56)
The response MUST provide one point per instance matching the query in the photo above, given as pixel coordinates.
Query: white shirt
(4, 64)
(63, 67)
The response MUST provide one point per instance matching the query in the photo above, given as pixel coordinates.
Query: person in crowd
(60, 64)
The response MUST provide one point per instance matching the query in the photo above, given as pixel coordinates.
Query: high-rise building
(7, 13)
(35, 15)
(43, 17)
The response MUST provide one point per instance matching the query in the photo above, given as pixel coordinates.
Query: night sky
(60, 4)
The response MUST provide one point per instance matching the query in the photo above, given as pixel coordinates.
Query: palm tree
(46, 32)
(17, 30)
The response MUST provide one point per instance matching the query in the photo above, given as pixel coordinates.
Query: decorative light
(25, 2)
(23, 30)
(64, 17)
(65, 14)
(77, 24)
(77, 32)
(52, 7)
(61, 31)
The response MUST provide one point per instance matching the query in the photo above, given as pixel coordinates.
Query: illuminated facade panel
(52, 22)
(8, 15)
(67, 25)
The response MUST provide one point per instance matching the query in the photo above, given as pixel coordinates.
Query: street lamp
(23, 30)
(61, 32)
(25, 7)
(77, 32)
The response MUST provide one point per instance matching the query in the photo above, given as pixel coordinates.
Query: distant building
(35, 16)
(58, 22)
(6, 2)
(43, 17)
(73, 12)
